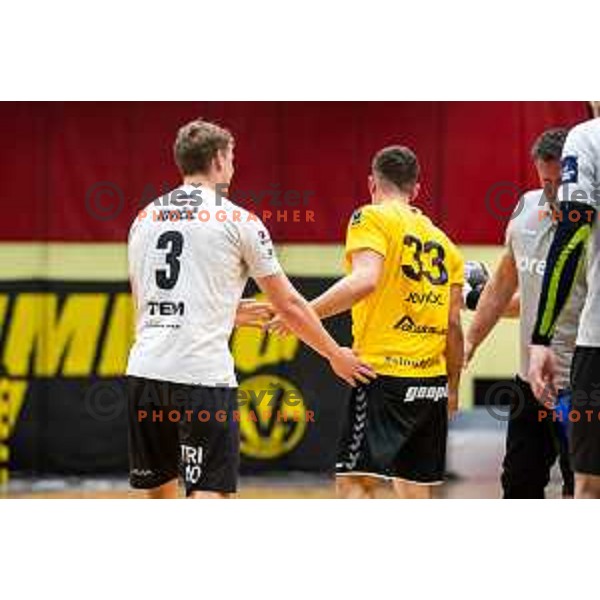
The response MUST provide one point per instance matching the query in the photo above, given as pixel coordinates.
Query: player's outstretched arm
(367, 266)
(513, 310)
(298, 315)
(454, 347)
(494, 302)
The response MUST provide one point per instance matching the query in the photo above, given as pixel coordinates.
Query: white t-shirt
(190, 255)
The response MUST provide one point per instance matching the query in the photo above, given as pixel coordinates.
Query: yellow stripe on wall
(63, 261)
(108, 261)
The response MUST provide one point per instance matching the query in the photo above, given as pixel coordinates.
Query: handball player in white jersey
(190, 255)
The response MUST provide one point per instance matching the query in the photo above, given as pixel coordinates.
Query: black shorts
(585, 410)
(397, 427)
(183, 430)
(534, 441)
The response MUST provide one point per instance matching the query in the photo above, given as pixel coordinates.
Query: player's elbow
(365, 283)
(366, 288)
(282, 295)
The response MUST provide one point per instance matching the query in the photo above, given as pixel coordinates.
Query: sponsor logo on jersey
(535, 266)
(426, 392)
(415, 363)
(407, 325)
(422, 298)
(185, 214)
(264, 236)
(166, 309)
(570, 169)
(356, 217)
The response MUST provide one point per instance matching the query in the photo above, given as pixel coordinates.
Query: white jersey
(189, 261)
(581, 183)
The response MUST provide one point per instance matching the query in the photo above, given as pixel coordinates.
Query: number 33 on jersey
(400, 329)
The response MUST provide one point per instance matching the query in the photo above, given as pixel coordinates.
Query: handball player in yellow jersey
(404, 285)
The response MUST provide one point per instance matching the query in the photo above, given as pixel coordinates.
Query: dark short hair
(397, 165)
(549, 145)
(197, 144)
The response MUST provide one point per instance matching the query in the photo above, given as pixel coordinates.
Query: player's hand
(276, 325)
(347, 366)
(251, 313)
(452, 403)
(542, 372)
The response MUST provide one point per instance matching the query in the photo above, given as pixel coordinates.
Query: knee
(199, 495)
(353, 487)
(412, 491)
(166, 491)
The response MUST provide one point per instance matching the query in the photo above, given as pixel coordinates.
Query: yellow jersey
(400, 329)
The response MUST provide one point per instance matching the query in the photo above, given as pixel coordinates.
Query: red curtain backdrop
(52, 154)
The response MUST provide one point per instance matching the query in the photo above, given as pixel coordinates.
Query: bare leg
(209, 496)
(355, 487)
(412, 491)
(587, 487)
(166, 491)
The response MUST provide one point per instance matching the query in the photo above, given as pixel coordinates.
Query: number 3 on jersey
(173, 240)
(433, 253)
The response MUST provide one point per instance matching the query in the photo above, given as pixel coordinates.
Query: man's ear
(372, 186)
(219, 161)
(415, 191)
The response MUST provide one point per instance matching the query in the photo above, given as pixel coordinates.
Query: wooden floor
(452, 490)
(251, 492)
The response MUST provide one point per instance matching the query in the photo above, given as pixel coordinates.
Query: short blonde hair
(197, 144)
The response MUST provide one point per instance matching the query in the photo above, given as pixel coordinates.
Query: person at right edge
(579, 196)
(536, 436)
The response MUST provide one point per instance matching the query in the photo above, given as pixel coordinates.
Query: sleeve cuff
(540, 340)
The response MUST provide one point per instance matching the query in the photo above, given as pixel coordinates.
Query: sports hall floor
(476, 445)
